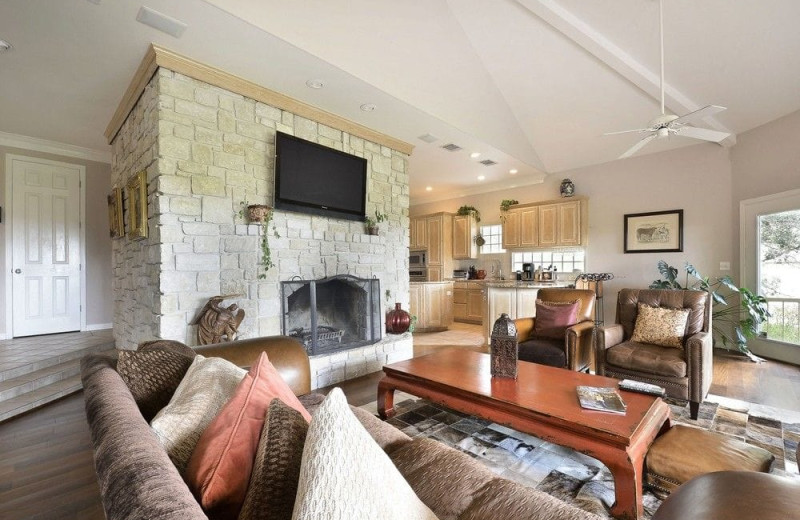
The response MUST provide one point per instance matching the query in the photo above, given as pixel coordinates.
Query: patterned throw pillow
(345, 474)
(204, 390)
(553, 318)
(152, 376)
(276, 470)
(660, 326)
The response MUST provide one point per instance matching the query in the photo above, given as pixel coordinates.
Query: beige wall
(98, 245)
(696, 179)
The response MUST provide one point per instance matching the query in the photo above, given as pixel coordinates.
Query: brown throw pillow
(152, 376)
(553, 318)
(276, 469)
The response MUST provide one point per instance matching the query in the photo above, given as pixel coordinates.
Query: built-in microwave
(417, 259)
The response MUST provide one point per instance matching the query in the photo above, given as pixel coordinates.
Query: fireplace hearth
(332, 314)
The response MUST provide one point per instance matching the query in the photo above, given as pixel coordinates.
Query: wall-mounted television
(315, 179)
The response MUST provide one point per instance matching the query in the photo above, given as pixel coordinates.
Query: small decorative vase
(397, 320)
(258, 213)
(503, 348)
(372, 230)
(567, 188)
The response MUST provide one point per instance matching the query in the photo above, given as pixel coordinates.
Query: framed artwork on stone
(137, 206)
(654, 232)
(116, 224)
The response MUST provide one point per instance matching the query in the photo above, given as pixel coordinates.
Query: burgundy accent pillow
(552, 320)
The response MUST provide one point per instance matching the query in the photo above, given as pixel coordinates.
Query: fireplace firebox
(332, 314)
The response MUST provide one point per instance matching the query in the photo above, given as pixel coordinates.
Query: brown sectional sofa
(138, 480)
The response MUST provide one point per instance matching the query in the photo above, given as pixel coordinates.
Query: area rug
(574, 477)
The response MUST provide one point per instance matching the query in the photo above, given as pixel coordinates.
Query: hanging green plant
(505, 204)
(262, 215)
(471, 211)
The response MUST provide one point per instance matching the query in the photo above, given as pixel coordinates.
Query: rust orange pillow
(219, 469)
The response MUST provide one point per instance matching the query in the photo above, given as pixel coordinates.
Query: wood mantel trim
(158, 56)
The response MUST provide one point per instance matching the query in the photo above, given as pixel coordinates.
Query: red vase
(397, 321)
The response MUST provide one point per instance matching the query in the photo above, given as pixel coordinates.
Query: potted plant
(505, 204)
(261, 214)
(372, 223)
(723, 316)
(471, 211)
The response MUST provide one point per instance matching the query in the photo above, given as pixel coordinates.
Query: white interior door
(46, 281)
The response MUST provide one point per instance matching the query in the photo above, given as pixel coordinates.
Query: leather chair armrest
(606, 338)
(580, 345)
(524, 328)
(699, 364)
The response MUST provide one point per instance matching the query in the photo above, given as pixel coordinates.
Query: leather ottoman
(683, 453)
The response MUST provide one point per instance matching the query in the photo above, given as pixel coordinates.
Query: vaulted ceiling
(529, 84)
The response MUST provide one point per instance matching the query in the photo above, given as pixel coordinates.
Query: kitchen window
(493, 235)
(565, 261)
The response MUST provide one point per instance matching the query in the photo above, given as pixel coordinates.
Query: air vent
(488, 162)
(451, 147)
(428, 138)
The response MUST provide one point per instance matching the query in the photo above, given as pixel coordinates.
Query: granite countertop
(439, 282)
(512, 284)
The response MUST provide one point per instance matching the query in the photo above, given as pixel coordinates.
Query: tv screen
(311, 178)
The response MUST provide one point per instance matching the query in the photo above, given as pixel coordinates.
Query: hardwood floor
(47, 472)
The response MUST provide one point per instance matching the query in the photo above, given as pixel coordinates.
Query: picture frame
(115, 222)
(654, 232)
(136, 190)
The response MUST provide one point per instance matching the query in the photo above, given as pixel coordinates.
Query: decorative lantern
(397, 321)
(567, 188)
(503, 349)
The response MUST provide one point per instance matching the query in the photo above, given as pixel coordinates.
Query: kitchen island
(515, 298)
(432, 304)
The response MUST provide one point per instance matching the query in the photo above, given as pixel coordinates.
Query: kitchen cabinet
(435, 274)
(475, 300)
(518, 300)
(436, 231)
(468, 302)
(432, 304)
(418, 236)
(529, 226)
(569, 223)
(511, 230)
(464, 231)
(545, 225)
(548, 225)
(433, 228)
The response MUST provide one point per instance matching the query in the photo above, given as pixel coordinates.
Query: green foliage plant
(505, 205)
(266, 252)
(372, 223)
(471, 211)
(744, 320)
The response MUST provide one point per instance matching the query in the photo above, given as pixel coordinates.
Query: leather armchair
(575, 350)
(684, 373)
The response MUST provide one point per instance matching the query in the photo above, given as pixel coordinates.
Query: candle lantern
(503, 348)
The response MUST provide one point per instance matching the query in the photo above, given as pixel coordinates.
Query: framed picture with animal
(654, 232)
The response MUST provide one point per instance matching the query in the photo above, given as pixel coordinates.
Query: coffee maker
(527, 271)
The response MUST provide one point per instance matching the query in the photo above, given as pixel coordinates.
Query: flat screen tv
(315, 179)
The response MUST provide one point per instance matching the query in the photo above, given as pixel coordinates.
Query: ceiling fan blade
(697, 115)
(702, 133)
(635, 148)
(629, 131)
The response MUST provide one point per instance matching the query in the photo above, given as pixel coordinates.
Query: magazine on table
(601, 399)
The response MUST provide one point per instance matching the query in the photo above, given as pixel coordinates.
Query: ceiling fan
(666, 124)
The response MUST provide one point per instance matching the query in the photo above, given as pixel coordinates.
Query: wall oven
(418, 259)
(418, 275)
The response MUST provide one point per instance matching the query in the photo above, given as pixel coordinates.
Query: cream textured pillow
(660, 326)
(346, 476)
(204, 390)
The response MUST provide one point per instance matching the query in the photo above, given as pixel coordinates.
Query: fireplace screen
(332, 314)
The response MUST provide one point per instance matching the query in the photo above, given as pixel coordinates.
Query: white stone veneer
(206, 150)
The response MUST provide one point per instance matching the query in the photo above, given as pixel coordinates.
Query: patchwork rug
(574, 477)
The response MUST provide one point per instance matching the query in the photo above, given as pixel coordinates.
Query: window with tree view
(779, 273)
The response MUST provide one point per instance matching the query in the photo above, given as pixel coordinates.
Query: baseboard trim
(99, 326)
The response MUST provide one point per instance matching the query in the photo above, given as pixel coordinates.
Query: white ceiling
(531, 84)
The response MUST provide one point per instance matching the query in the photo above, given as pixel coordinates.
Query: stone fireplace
(207, 144)
(333, 314)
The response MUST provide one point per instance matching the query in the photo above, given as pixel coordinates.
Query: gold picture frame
(115, 222)
(137, 206)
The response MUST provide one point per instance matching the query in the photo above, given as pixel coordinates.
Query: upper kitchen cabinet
(434, 233)
(545, 225)
(418, 235)
(464, 231)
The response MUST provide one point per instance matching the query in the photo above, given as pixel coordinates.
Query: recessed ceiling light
(314, 83)
(513, 171)
(5, 46)
(160, 21)
(475, 155)
(428, 188)
(481, 177)
(368, 107)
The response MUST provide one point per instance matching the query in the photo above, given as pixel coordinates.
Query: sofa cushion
(640, 357)
(276, 469)
(553, 318)
(204, 390)
(152, 376)
(344, 474)
(220, 466)
(544, 351)
(660, 326)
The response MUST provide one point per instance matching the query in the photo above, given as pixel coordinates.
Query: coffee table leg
(385, 400)
(628, 489)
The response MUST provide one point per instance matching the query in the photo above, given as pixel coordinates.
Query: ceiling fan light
(663, 132)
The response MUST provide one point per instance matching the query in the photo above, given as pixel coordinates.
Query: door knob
(17, 271)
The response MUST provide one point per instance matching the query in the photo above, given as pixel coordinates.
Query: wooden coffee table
(542, 401)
